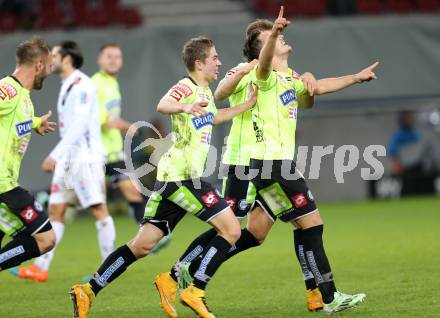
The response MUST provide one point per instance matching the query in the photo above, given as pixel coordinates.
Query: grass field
(388, 249)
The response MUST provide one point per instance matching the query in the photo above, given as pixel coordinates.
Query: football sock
(309, 279)
(137, 210)
(17, 251)
(112, 267)
(106, 236)
(194, 250)
(246, 241)
(317, 261)
(213, 256)
(43, 262)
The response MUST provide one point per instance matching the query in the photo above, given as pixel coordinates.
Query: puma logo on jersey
(24, 128)
(288, 97)
(204, 120)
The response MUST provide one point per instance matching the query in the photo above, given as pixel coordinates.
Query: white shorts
(78, 182)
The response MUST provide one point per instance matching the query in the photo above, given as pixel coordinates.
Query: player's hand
(367, 74)
(48, 165)
(310, 82)
(245, 68)
(46, 125)
(252, 95)
(280, 23)
(195, 109)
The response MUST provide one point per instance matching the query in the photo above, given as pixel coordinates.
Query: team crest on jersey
(9, 89)
(288, 97)
(204, 120)
(27, 107)
(205, 138)
(179, 91)
(23, 128)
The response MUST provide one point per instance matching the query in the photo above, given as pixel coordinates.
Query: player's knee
(99, 211)
(46, 241)
(56, 213)
(139, 250)
(232, 233)
(258, 233)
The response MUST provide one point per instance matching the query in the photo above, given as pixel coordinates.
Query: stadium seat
(428, 5)
(400, 6)
(8, 23)
(130, 17)
(370, 6)
(49, 15)
(307, 8)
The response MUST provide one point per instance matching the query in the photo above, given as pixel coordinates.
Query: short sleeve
(8, 94)
(264, 84)
(182, 92)
(242, 84)
(6, 106)
(298, 85)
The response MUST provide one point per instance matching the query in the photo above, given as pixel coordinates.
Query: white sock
(106, 236)
(43, 261)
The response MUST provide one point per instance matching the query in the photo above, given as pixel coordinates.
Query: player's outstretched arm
(227, 86)
(268, 50)
(169, 106)
(330, 85)
(226, 114)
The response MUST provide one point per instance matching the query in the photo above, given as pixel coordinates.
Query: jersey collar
(16, 79)
(191, 79)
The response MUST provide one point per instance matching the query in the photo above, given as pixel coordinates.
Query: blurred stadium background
(330, 38)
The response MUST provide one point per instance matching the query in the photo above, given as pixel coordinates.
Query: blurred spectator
(411, 157)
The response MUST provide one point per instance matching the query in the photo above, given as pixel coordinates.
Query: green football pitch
(388, 249)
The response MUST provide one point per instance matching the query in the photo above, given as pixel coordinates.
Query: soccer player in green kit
(273, 150)
(178, 189)
(22, 217)
(110, 62)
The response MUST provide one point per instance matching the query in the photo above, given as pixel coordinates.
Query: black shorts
(171, 200)
(28, 210)
(281, 190)
(114, 175)
(235, 189)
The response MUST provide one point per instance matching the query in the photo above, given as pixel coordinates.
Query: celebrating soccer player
(178, 189)
(22, 217)
(273, 122)
(77, 159)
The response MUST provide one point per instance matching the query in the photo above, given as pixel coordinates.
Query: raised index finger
(280, 15)
(373, 66)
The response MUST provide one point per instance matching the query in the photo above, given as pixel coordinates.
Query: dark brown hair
(29, 51)
(107, 45)
(195, 49)
(72, 49)
(252, 44)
